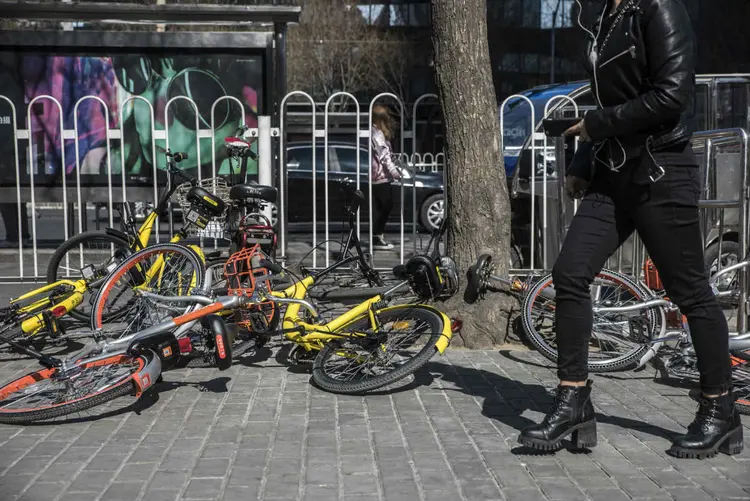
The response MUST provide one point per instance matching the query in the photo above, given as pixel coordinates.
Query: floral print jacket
(383, 168)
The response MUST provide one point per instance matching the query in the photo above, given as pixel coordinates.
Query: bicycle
(202, 206)
(39, 311)
(626, 313)
(108, 369)
(211, 210)
(253, 326)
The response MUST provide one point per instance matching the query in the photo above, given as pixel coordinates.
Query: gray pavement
(261, 431)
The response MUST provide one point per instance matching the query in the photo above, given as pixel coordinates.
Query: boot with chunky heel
(572, 414)
(717, 428)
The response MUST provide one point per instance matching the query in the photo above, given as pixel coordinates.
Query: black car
(342, 165)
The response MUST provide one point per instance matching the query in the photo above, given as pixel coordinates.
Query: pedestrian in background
(383, 172)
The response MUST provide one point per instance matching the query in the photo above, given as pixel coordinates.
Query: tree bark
(476, 187)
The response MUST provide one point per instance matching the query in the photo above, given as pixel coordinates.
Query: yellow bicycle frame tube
(314, 336)
(144, 232)
(33, 325)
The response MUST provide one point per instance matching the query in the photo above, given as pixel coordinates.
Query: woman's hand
(578, 129)
(575, 186)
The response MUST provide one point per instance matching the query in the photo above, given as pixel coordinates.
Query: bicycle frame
(312, 337)
(736, 342)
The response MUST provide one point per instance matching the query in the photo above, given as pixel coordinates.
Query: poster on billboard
(226, 90)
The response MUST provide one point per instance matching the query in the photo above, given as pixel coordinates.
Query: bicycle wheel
(618, 340)
(50, 393)
(165, 269)
(367, 358)
(91, 247)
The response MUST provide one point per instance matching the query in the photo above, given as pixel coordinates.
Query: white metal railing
(409, 190)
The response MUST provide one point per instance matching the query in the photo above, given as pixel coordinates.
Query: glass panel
(300, 158)
(732, 104)
(348, 160)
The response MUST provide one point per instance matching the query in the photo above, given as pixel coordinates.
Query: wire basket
(246, 277)
(216, 226)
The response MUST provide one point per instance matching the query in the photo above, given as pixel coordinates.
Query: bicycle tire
(97, 313)
(743, 406)
(123, 387)
(59, 255)
(430, 315)
(741, 380)
(623, 362)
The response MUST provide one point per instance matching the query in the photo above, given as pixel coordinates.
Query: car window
(347, 158)
(300, 158)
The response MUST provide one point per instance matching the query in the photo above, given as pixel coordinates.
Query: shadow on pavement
(505, 400)
(147, 400)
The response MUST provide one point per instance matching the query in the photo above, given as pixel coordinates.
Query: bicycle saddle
(245, 191)
(206, 200)
(238, 146)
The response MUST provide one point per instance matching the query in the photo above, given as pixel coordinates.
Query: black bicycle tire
(414, 364)
(618, 364)
(70, 243)
(121, 389)
(195, 259)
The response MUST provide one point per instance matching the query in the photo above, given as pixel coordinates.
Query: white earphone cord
(596, 86)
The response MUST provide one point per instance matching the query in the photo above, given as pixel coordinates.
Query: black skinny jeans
(382, 204)
(665, 214)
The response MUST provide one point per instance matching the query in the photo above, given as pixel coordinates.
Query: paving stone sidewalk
(261, 431)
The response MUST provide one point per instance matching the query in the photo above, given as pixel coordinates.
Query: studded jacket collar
(642, 77)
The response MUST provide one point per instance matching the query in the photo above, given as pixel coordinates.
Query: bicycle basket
(201, 211)
(244, 275)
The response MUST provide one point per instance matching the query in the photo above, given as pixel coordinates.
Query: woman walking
(383, 172)
(641, 59)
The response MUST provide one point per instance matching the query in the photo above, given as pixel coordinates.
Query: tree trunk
(476, 187)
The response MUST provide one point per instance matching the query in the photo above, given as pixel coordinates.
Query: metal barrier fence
(61, 185)
(409, 187)
(549, 210)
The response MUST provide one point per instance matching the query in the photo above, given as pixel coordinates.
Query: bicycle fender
(222, 342)
(147, 376)
(447, 334)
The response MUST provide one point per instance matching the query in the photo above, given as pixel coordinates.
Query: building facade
(535, 42)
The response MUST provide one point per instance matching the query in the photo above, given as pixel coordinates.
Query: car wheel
(431, 213)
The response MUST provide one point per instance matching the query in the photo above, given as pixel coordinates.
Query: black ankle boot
(572, 413)
(716, 428)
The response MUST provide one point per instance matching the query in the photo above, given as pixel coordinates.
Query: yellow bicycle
(40, 310)
(370, 346)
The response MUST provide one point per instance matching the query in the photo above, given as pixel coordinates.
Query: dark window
(732, 105)
(300, 158)
(348, 160)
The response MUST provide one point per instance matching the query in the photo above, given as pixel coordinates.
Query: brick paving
(261, 431)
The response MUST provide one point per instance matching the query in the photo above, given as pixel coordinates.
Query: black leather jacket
(643, 79)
